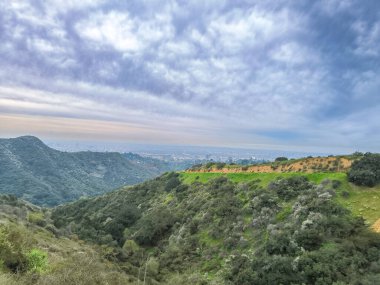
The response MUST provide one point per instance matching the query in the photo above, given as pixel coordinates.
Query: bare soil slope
(376, 226)
(305, 165)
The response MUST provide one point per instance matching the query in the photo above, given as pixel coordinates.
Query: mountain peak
(28, 138)
(28, 141)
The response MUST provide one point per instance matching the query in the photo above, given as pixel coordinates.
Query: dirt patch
(376, 226)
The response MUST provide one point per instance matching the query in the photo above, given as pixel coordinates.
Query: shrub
(264, 200)
(220, 165)
(209, 164)
(365, 171)
(153, 266)
(291, 187)
(37, 218)
(336, 184)
(12, 245)
(357, 154)
(280, 244)
(154, 225)
(281, 158)
(363, 177)
(309, 239)
(37, 261)
(172, 183)
(130, 247)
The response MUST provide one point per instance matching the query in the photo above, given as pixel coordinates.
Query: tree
(154, 225)
(281, 158)
(365, 171)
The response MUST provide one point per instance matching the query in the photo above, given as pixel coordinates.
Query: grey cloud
(207, 66)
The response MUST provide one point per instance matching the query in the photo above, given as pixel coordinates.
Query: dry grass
(305, 165)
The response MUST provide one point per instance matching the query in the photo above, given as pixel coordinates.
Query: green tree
(281, 158)
(365, 171)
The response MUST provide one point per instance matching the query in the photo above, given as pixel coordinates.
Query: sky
(291, 75)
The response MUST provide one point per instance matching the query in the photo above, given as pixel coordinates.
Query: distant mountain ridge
(44, 176)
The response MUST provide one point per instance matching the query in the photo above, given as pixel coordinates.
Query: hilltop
(44, 176)
(362, 201)
(304, 165)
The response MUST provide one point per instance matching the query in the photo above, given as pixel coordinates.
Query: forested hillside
(284, 230)
(31, 170)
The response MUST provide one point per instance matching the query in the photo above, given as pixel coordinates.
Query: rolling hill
(236, 228)
(31, 170)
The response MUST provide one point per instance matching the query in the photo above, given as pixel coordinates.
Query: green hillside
(32, 251)
(197, 228)
(31, 170)
(362, 201)
(207, 228)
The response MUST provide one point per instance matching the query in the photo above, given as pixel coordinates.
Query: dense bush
(12, 249)
(37, 218)
(220, 165)
(318, 243)
(281, 158)
(289, 188)
(153, 226)
(366, 170)
(363, 177)
(37, 260)
(173, 182)
(16, 252)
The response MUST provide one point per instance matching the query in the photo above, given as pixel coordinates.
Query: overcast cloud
(243, 73)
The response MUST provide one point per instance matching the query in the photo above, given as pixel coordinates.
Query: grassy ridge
(362, 201)
(265, 178)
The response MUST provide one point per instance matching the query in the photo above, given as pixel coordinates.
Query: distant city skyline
(192, 151)
(178, 152)
(279, 75)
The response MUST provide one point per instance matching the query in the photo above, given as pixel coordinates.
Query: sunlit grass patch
(265, 178)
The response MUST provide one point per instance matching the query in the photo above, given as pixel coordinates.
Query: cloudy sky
(296, 75)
